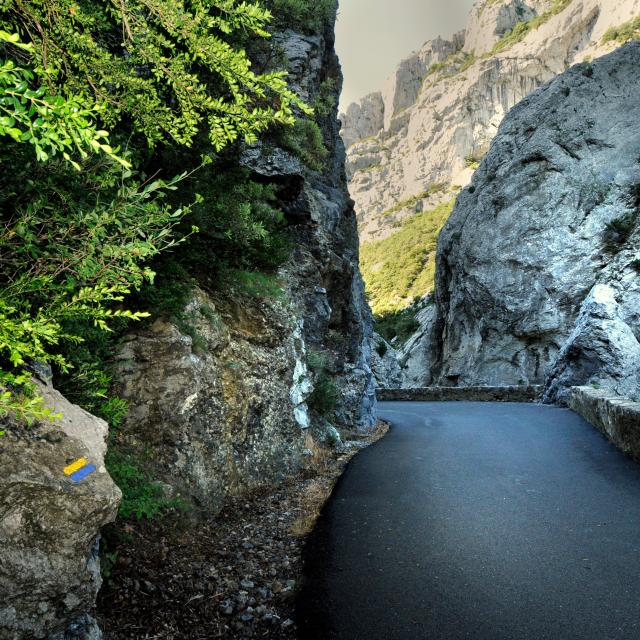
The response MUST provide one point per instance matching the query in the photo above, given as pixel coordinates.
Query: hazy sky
(374, 35)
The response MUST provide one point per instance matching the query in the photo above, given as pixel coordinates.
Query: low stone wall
(482, 394)
(617, 418)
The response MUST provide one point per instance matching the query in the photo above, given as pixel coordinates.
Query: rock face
(416, 354)
(49, 526)
(537, 271)
(223, 401)
(384, 363)
(221, 410)
(443, 105)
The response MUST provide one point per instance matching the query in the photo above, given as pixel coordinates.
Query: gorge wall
(413, 145)
(227, 411)
(226, 400)
(537, 269)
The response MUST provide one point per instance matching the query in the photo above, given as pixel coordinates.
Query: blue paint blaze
(81, 474)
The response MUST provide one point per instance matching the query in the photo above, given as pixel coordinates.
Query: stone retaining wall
(616, 417)
(482, 394)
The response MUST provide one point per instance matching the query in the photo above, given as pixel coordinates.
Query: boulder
(50, 526)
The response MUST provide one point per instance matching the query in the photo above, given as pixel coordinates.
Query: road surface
(482, 521)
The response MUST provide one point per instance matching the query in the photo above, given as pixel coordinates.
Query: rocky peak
(490, 20)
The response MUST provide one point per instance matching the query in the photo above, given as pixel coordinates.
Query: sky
(372, 36)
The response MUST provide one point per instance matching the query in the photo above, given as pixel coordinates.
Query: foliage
(399, 325)
(89, 382)
(402, 266)
(326, 99)
(52, 124)
(257, 284)
(324, 396)
(472, 162)
(141, 497)
(73, 245)
(618, 231)
(302, 15)
(304, 140)
(168, 66)
(624, 32)
(468, 61)
(240, 233)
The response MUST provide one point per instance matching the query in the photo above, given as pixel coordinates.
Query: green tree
(170, 66)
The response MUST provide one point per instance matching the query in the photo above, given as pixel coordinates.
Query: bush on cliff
(302, 15)
(81, 219)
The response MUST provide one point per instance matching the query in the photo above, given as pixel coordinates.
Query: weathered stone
(49, 526)
(220, 403)
(416, 354)
(601, 350)
(384, 363)
(526, 242)
(617, 418)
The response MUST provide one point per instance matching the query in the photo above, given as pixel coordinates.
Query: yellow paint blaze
(74, 466)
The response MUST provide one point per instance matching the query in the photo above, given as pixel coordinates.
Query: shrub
(73, 246)
(178, 69)
(412, 201)
(303, 15)
(326, 98)
(324, 396)
(629, 30)
(400, 325)
(472, 162)
(618, 231)
(141, 497)
(305, 141)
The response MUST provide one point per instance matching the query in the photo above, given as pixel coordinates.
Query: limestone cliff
(222, 402)
(537, 270)
(416, 143)
(437, 114)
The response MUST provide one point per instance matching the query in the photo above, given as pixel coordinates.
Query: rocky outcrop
(224, 400)
(50, 526)
(384, 363)
(537, 277)
(416, 354)
(443, 105)
(601, 350)
(218, 402)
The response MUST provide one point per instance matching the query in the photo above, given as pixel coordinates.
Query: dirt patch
(230, 576)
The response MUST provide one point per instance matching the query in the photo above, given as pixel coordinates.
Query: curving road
(481, 521)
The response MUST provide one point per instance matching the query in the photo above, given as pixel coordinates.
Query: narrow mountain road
(483, 521)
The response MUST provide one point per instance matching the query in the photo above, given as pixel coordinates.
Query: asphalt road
(481, 521)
